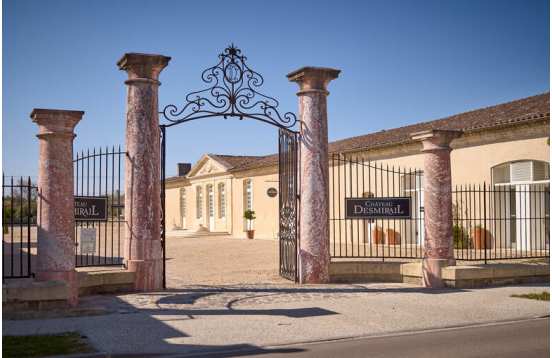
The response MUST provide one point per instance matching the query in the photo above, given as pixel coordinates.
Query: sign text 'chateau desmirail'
(377, 208)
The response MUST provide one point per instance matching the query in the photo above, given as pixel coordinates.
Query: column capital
(56, 121)
(435, 139)
(143, 65)
(313, 79)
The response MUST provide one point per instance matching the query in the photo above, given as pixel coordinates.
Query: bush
(460, 237)
(249, 215)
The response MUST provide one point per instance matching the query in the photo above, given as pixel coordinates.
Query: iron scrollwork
(233, 92)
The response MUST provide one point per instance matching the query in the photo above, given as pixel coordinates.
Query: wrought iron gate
(288, 180)
(233, 92)
(99, 173)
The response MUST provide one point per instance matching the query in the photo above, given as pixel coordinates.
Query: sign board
(87, 240)
(272, 192)
(377, 208)
(91, 208)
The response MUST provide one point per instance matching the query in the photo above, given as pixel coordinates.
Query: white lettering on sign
(379, 209)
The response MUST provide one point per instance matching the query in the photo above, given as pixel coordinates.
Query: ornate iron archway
(233, 91)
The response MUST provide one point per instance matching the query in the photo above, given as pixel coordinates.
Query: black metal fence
(501, 222)
(490, 222)
(19, 203)
(374, 238)
(100, 173)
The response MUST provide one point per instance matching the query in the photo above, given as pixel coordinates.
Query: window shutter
(541, 171)
(520, 171)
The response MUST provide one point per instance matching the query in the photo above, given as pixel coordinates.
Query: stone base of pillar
(431, 271)
(69, 277)
(148, 274)
(313, 269)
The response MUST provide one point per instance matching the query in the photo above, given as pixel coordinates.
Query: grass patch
(543, 296)
(45, 345)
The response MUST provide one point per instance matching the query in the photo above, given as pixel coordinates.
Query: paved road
(527, 339)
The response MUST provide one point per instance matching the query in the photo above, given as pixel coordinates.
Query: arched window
(522, 171)
(199, 202)
(222, 200)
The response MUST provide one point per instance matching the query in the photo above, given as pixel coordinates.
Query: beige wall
(473, 156)
(265, 207)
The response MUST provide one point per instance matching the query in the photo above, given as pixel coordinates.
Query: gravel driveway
(221, 260)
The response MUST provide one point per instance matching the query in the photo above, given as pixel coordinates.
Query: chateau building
(502, 145)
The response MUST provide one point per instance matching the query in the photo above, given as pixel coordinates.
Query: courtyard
(216, 260)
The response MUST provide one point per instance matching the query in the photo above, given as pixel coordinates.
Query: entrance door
(211, 207)
(414, 187)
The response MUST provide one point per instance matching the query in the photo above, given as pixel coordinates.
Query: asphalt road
(527, 339)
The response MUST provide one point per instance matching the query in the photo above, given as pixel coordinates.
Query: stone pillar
(142, 246)
(55, 211)
(314, 253)
(439, 246)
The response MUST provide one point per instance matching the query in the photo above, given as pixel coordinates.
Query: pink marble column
(439, 247)
(314, 253)
(142, 247)
(55, 219)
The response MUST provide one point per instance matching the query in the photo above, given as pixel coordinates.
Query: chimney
(183, 168)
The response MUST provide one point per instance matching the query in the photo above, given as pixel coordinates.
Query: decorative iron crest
(233, 93)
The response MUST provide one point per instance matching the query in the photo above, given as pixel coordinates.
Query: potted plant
(461, 238)
(249, 215)
(378, 235)
(393, 237)
(481, 238)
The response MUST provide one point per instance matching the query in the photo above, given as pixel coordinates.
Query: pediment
(207, 166)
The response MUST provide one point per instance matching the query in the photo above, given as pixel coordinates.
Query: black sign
(91, 208)
(272, 192)
(377, 208)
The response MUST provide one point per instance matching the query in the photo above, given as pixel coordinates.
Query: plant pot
(378, 235)
(250, 234)
(481, 238)
(393, 237)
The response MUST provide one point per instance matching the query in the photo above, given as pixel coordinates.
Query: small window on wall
(248, 194)
(183, 202)
(413, 182)
(199, 202)
(222, 200)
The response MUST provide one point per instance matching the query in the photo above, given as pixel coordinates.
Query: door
(520, 218)
(211, 208)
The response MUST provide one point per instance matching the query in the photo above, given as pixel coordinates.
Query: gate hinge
(298, 196)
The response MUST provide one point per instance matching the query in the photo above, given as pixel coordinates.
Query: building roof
(525, 110)
(237, 161)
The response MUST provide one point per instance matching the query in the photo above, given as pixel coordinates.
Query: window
(248, 201)
(222, 200)
(523, 171)
(413, 182)
(248, 194)
(199, 202)
(210, 201)
(183, 202)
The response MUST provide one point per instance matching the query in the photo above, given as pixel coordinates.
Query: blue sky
(402, 62)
